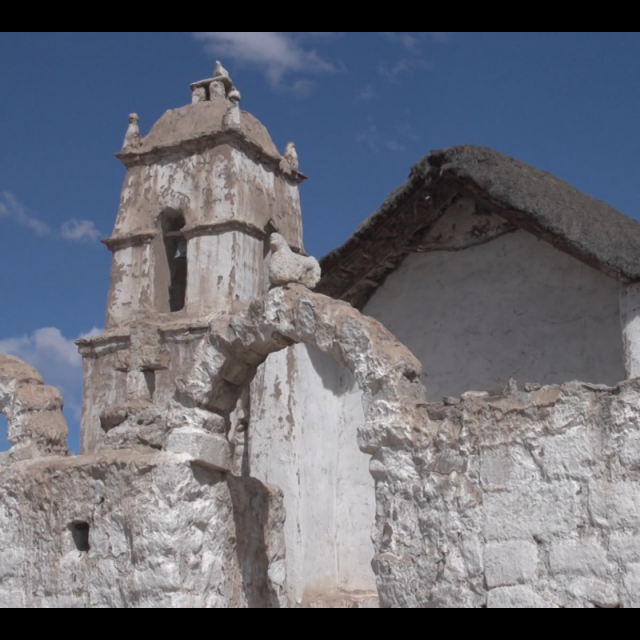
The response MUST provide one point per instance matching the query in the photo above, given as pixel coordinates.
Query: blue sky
(362, 107)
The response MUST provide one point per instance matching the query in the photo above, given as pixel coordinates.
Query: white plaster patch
(513, 308)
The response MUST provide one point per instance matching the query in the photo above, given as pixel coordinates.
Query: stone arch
(36, 425)
(387, 372)
(388, 375)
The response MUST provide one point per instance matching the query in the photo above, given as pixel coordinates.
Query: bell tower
(202, 192)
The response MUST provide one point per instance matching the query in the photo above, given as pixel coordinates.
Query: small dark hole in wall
(80, 532)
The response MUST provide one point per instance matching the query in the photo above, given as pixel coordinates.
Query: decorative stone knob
(133, 138)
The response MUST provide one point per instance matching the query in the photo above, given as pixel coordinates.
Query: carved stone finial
(232, 118)
(220, 71)
(221, 74)
(291, 156)
(235, 96)
(133, 138)
(287, 267)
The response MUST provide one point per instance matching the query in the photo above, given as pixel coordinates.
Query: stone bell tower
(203, 191)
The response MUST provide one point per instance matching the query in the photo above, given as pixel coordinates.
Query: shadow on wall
(4, 443)
(335, 377)
(256, 512)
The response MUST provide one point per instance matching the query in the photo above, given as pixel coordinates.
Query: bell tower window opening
(175, 245)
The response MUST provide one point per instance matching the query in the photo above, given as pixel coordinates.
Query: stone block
(615, 505)
(510, 563)
(517, 598)
(37, 398)
(11, 600)
(630, 454)
(531, 510)
(506, 466)
(595, 592)
(11, 563)
(632, 587)
(624, 549)
(579, 558)
(48, 428)
(569, 455)
(205, 449)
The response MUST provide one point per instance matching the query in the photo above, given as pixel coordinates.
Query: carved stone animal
(288, 267)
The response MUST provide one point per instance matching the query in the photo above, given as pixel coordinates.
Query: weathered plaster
(212, 190)
(216, 185)
(512, 308)
(132, 285)
(223, 268)
(305, 412)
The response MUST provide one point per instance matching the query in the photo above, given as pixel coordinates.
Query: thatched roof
(588, 229)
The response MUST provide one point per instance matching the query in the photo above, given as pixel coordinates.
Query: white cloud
(44, 349)
(79, 231)
(413, 42)
(392, 72)
(276, 53)
(406, 38)
(12, 209)
(368, 93)
(441, 36)
(372, 138)
(413, 39)
(73, 230)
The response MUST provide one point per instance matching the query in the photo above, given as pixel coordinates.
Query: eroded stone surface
(160, 533)
(36, 426)
(527, 500)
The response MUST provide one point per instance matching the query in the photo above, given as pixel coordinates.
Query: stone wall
(128, 530)
(525, 500)
(105, 383)
(477, 310)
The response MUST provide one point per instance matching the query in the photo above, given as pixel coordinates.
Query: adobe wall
(479, 312)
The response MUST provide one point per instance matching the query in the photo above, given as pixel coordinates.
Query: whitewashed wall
(222, 268)
(513, 308)
(305, 410)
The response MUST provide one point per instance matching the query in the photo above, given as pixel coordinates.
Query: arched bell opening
(172, 269)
